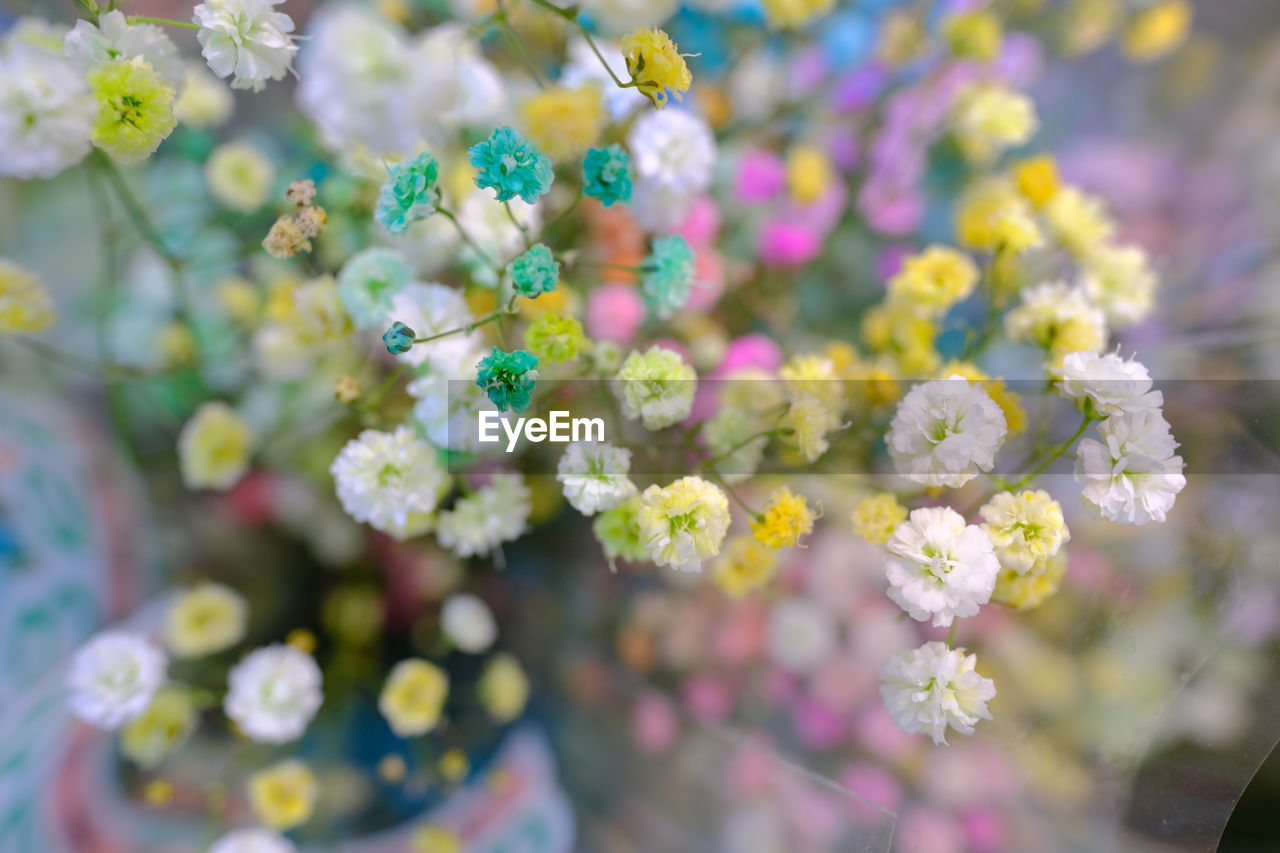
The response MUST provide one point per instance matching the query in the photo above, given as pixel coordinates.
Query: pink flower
(701, 224)
(751, 351)
(709, 698)
(841, 683)
(876, 731)
(739, 640)
(924, 830)
(817, 725)
(874, 784)
(785, 244)
(761, 175)
(654, 723)
(708, 279)
(985, 830)
(889, 209)
(752, 768)
(614, 312)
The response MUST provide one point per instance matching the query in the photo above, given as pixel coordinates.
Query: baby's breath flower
(1079, 221)
(1120, 281)
(607, 174)
(1111, 384)
(346, 390)
(213, 449)
(239, 176)
(204, 101)
(877, 517)
(90, 45)
(24, 304)
(785, 519)
(245, 40)
(988, 118)
(485, 519)
(809, 420)
(503, 688)
(273, 693)
(252, 841)
(744, 566)
(46, 114)
(728, 436)
(792, 14)
(944, 432)
(684, 523)
(283, 795)
(1030, 590)
(311, 220)
(1037, 179)
(973, 35)
(286, 239)
(413, 697)
(1059, 318)
(409, 194)
(594, 475)
(618, 532)
(800, 634)
(300, 193)
(656, 66)
(940, 568)
(204, 620)
(369, 282)
(1015, 416)
(392, 481)
(534, 272)
(563, 121)
(656, 387)
(1157, 30)
(468, 623)
(508, 378)
(113, 678)
(667, 275)
(135, 109)
(1132, 475)
(162, 729)
(931, 282)
(933, 687)
(555, 338)
(1026, 529)
(511, 166)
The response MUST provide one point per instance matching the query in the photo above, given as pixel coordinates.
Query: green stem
(1051, 458)
(951, 634)
(167, 22)
(472, 326)
(571, 15)
(714, 460)
(524, 231)
(737, 498)
(500, 18)
(466, 238)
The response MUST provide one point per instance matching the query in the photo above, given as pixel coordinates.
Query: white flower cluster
(274, 693)
(933, 687)
(391, 480)
(946, 431)
(674, 153)
(940, 568)
(484, 519)
(594, 475)
(1132, 475)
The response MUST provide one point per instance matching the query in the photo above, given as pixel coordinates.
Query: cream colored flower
(284, 795)
(413, 697)
(684, 523)
(1026, 529)
(162, 729)
(205, 619)
(214, 447)
(504, 688)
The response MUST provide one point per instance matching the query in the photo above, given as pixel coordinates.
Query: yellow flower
(1026, 529)
(239, 176)
(877, 383)
(987, 118)
(24, 304)
(1037, 179)
(974, 35)
(135, 108)
(656, 65)
(564, 122)
(302, 640)
(1087, 24)
(205, 619)
(809, 173)
(239, 298)
(283, 795)
(318, 317)
(504, 688)
(931, 282)
(1015, 416)
(984, 210)
(1157, 30)
(413, 697)
(790, 14)
(875, 518)
(813, 375)
(786, 518)
(902, 39)
(1078, 221)
(205, 100)
(683, 524)
(213, 449)
(162, 728)
(1024, 592)
(176, 344)
(436, 839)
(745, 566)
(454, 765)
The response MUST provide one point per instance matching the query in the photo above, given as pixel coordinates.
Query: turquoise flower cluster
(399, 338)
(368, 284)
(535, 272)
(410, 193)
(667, 275)
(606, 174)
(512, 166)
(507, 378)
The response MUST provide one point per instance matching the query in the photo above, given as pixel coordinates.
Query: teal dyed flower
(508, 378)
(369, 282)
(511, 165)
(606, 174)
(409, 194)
(535, 272)
(666, 276)
(399, 338)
